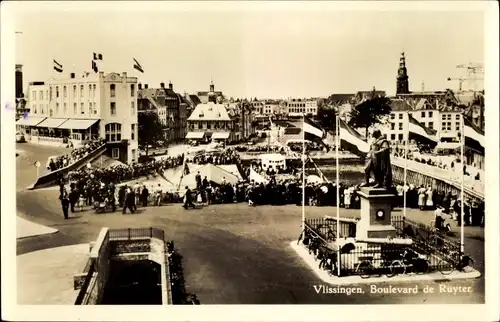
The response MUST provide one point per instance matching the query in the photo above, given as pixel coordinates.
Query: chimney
(162, 85)
(124, 75)
(145, 86)
(140, 86)
(72, 75)
(170, 86)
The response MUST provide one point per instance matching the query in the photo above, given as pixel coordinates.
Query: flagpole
(462, 186)
(337, 134)
(303, 174)
(406, 161)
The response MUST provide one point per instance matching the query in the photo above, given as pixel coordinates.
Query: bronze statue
(378, 162)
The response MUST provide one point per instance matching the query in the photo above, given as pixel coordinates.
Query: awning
(220, 135)
(195, 135)
(30, 120)
(77, 124)
(52, 122)
(448, 145)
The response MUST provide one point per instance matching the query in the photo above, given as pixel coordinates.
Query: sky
(264, 50)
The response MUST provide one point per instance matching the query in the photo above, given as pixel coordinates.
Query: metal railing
(327, 228)
(136, 233)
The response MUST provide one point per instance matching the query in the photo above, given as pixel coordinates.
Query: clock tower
(402, 79)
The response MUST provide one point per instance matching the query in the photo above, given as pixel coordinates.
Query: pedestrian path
(46, 276)
(25, 228)
(356, 279)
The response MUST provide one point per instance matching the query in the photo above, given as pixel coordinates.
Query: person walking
(64, 202)
(128, 201)
(188, 199)
(144, 195)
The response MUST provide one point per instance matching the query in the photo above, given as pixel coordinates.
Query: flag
(94, 67)
(351, 140)
(310, 127)
(97, 56)
(138, 66)
(474, 136)
(415, 129)
(58, 67)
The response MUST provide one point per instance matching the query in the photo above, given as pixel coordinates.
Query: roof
(450, 108)
(209, 111)
(205, 93)
(339, 98)
(400, 105)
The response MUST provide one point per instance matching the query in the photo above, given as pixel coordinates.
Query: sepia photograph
(237, 153)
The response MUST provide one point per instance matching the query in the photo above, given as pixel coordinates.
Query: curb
(334, 280)
(41, 229)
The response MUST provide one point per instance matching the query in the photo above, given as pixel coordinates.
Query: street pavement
(236, 254)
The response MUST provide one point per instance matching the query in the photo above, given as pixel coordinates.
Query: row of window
(209, 126)
(91, 89)
(430, 125)
(113, 132)
(302, 110)
(444, 117)
(446, 126)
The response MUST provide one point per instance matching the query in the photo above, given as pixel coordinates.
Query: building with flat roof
(74, 109)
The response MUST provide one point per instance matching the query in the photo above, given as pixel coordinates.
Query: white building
(212, 121)
(298, 106)
(432, 113)
(78, 109)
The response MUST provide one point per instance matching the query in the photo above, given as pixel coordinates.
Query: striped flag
(138, 66)
(312, 128)
(351, 140)
(473, 134)
(416, 130)
(58, 67)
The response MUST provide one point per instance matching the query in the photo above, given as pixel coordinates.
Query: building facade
(170, 107)
(79, 109)
(211, 121)
(297, 106)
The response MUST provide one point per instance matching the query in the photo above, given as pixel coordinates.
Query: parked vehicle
(20, 137)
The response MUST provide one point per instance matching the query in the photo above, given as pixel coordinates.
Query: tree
(370, 112)
(326, 118)
(150, 129)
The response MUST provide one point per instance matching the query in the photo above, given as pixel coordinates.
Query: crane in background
(473, 70)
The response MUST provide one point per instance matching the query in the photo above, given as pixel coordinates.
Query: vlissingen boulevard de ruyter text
(150, 179)
(391, 289)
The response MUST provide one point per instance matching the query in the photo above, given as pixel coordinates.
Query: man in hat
(188, 199)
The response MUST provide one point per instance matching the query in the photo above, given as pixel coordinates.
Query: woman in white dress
(421, 197)
(429, 203)
(347, 198)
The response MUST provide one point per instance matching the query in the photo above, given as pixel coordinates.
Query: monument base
(376, 208)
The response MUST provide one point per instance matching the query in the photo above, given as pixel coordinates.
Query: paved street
(233, 254)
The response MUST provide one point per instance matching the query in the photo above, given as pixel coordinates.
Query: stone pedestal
(376, 206)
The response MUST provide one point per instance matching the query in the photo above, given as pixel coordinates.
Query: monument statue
(378, 162)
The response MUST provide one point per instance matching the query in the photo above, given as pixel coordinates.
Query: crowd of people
(228, 156)
(75, 155)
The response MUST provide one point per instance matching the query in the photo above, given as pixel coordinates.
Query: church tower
(402, 79)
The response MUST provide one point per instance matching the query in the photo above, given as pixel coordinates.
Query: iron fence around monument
(429, 251)
(327, 228)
